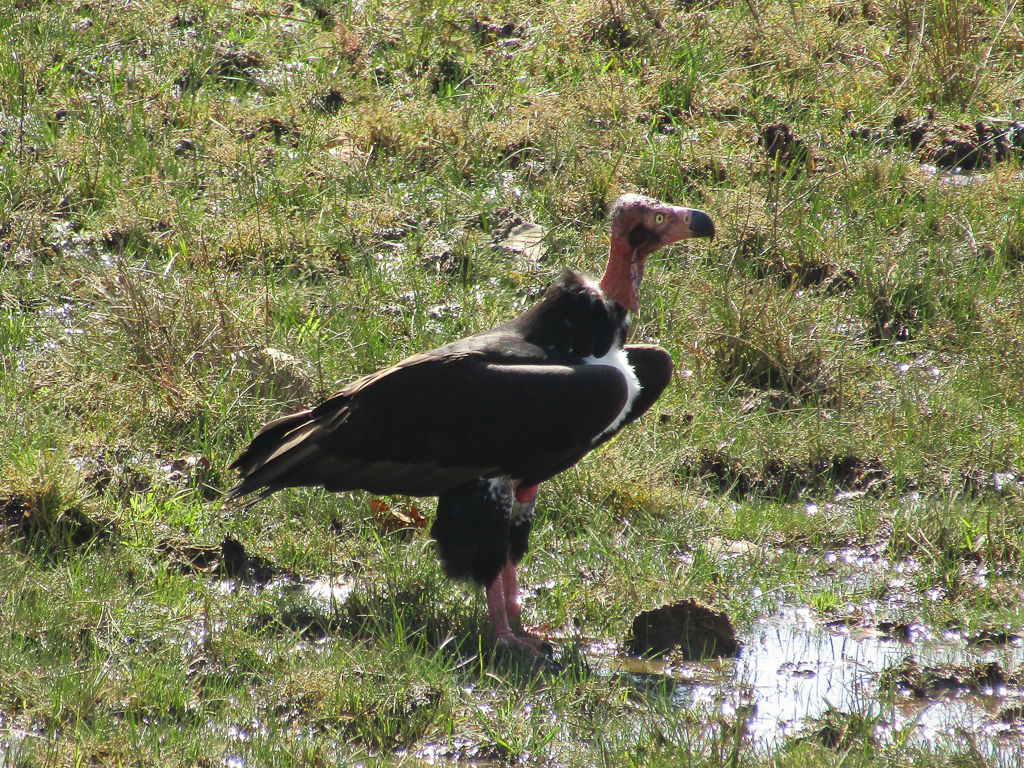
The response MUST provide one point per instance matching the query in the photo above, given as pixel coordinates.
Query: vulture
(481, 422)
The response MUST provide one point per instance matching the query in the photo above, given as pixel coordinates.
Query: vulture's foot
(503, 607)
(531, 644)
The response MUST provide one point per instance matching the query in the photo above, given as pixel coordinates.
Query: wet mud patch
(913, 680)
(695, 630)
(989, 638)
(787, 481)
(331, 607)
(969, 147)
(44, 519)
(797, 678)
(229, 560)
(318, 608)
(124, 472)
(468, 753)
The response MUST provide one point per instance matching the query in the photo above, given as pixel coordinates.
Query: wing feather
(437, 420)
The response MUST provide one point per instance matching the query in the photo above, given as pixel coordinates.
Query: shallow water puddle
(793, 675)
(798, 670)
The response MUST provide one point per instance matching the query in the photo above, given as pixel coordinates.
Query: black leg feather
(471, 529)
(519, 531)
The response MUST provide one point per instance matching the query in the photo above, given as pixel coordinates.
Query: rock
(696, 630)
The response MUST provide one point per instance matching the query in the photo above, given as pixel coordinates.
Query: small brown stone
(696, 630)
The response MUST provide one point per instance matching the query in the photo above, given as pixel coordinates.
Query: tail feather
(278, 448)
(287, 453)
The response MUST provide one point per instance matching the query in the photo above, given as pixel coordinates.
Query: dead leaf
(527, 239)
(404, 516)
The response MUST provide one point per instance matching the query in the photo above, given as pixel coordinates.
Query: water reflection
(794, 672)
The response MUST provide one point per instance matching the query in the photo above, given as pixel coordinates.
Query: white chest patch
(617, 359)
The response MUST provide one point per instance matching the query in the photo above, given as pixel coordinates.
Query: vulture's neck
(623, 274)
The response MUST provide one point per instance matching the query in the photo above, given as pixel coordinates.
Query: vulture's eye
(659, 218)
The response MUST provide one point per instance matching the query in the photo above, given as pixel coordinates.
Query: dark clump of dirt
(329, 102)
(518, 152)
(487, 32)
(831, 278)
(279, 129)
(898, 311)
(613, 33)
(841, 731)
(181, 21)
(696, 630)
(231, 63)
(833, 737)
(787, 482)
(185, 147)
(784, 147)
(949, 145)
(901, 631)
(190, 556)
(1011, 715)
(229, 560)
(853, 473)
(930, 682)
(447, 74)
(892, 321)
(43, 519)
(138, 238)
(308, 624)
(990, 638)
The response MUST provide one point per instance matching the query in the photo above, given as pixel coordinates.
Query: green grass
(183, 186)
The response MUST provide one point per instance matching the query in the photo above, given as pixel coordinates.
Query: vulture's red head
(640, 226)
